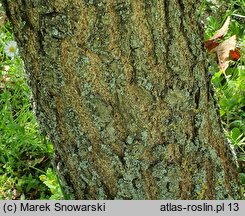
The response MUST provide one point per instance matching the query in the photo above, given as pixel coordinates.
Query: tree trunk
(121, 88)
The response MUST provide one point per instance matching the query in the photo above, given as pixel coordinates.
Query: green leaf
(235, 133)
(242, 177)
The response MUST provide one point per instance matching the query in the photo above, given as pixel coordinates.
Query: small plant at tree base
(51, 181)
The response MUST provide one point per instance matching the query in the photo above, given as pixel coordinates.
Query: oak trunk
(122, 90)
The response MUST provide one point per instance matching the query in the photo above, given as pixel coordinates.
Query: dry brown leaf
(223, 52)
(235, 54)
(222, 30)
(214, 41)
(211, 44)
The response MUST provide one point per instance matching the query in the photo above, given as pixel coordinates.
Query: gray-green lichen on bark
(121, 88)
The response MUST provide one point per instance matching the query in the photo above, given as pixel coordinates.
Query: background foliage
(25, 155)
(230, 87)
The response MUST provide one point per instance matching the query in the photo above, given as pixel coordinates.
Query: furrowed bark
(122, 90)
